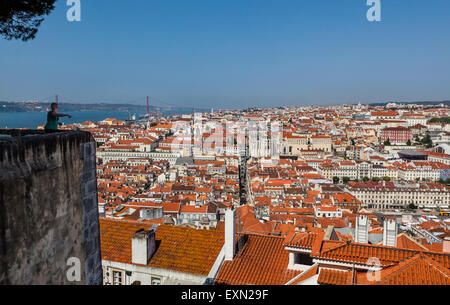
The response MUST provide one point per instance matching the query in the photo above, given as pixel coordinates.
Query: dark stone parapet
(15, 143)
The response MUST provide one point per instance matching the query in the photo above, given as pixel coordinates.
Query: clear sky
(233, 54)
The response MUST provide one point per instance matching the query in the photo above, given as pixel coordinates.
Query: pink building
(396, 135)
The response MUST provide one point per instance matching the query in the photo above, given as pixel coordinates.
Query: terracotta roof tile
(262, 261)
(306, 275)
(301, 240)
(420, 269)
(334, 277)
(406, 242)
(358, 253)
(179, 248)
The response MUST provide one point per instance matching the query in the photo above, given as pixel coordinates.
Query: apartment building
(395, 135)
(294, 144)
(395, 195)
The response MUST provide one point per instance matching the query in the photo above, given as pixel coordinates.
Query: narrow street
(243, 181)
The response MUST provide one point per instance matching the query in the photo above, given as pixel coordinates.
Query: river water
(32, 120)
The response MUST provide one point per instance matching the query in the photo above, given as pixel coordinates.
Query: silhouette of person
(53, 118)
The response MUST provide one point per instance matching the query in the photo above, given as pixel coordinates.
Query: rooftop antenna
(56, 99)
(148, 113)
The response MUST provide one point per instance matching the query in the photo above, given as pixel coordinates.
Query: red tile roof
(417, 270)
(350, 252)
(334, 277)
(301, 240)
(262, 261)
(336, 222)
(406, 242)
(115, 239)
(181, 249)
(306, 275)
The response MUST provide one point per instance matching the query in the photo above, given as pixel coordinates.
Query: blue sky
(233, 54)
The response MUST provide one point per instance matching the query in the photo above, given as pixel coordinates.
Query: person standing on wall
(53, 118)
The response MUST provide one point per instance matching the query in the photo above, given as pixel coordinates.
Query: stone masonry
(91, 226)
(49, 227)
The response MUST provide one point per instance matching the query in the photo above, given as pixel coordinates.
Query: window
(302, 259)
(155, 280)
(117, 277)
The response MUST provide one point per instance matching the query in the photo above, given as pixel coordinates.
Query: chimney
(446, 245)
(390, 233)
(328, 233)
(362, 229)
(230, 234)
(142, 247)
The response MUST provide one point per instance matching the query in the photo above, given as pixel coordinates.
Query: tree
(408, 143)
(376, 179)
(387, 142)
(427, 141)
(442, 120)
(387, 179)
(412, 206)
(335, 180)
(20, 19)
(346, 179)
(365, 179)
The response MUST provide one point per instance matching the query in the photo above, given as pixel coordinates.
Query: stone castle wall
(48, 208)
